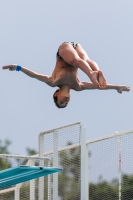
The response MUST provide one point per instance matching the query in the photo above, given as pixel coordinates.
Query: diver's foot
(122, 89)
(94, 78)
(101, 80)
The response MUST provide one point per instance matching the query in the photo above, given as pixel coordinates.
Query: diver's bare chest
(67, 78)
(65, 74)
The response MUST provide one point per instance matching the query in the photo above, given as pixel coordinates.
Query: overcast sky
(30, 34)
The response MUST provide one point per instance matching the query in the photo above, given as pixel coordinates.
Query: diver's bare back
(65, 74)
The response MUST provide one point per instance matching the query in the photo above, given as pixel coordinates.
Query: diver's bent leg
(69, 55)
(83, 55)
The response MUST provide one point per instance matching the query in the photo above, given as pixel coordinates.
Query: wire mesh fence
(111, 168)
(68, 159)
(66, 140)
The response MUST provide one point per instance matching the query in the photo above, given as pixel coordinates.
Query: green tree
(102, 190)
(30, 151)
(4, 163)
(127, 187)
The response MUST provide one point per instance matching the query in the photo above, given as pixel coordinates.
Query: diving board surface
(13, 176)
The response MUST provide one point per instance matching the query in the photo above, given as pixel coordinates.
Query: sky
(31, 32)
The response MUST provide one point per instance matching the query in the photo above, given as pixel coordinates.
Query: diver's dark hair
(55, 99)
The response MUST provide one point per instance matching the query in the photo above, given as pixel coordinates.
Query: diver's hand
(11, 67)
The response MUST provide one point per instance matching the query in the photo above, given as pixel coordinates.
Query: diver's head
(61, 98)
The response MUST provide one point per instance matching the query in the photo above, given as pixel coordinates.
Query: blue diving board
(13, 176)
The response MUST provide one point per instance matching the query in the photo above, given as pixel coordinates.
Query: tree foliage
(4, 163)
(127, 187)
(102, 190)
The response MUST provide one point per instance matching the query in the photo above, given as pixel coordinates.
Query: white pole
(41, 163)
(87, 174)
(49, 183)
(84, 163)
(120, 166)
(17, 192)
(32, 183)
(55, 164)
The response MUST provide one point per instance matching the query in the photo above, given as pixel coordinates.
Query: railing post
(17, 192)
(55, 164)
(32, 183)
(84, 163)
(49, 182)
(41, 163)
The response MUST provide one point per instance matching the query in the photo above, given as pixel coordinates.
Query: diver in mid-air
(71, 56)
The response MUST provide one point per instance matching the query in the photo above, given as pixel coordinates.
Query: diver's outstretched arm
(119, 88)
(28, 72)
